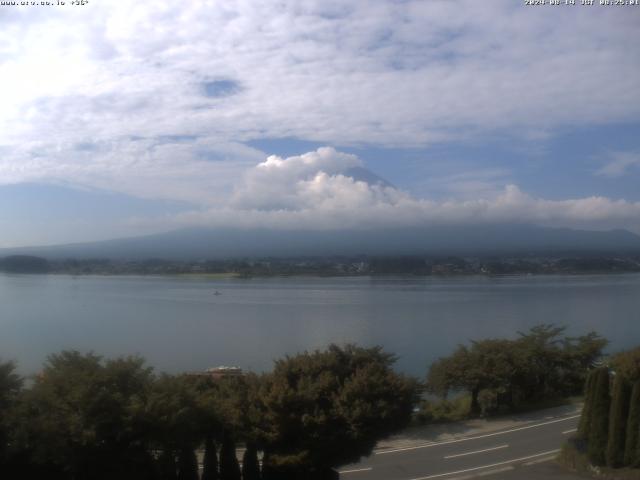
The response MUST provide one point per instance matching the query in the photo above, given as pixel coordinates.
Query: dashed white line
(566, 432)
(356, 470)
(429, 445)
(497, 470)
(540, 460)
(477, 451)
(515, 460)
(484, 474)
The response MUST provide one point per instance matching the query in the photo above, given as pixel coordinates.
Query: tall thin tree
(250, 465)
(210, 462)
(187, 464)
(229, 466)
(618, 416)
(632, 444)
(599, 426)
(585, 418)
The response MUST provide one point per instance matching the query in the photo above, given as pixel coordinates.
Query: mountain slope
(198, 243)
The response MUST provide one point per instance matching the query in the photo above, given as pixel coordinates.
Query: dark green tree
(632, 444)
(627, 364)
(187, 465)
(618, 416)
(542, 348)
(85, 416)
(599, 424)
(173, 414)
(578, 356)
(250, 464)
(539, 364)
(457, 372)
(167, 465)
(210, 461)
(10, 388)
(585, 417)
(328, 408)
(229, 466)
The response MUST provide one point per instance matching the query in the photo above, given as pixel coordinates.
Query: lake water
(180, 324)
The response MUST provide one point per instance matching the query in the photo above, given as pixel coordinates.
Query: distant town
(330, 266)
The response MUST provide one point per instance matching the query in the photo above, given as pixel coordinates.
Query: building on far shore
(216, 373)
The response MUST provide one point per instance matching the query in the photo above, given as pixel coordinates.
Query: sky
(133, 117)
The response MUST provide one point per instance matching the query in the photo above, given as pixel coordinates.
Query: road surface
(519, 452)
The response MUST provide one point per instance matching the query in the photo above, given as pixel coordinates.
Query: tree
(328, 408)
(167, 465)
(210, 461)
(627, 364)
(632, 443)
(579, 354)
(618, 416)
(458, 371)
(10, 387)
(539, 364)
(174, 414)
(250, 464)
(187, 465)
(229, 466)
(585, 417)
(544, 360)
(85, 417)
(599, 423)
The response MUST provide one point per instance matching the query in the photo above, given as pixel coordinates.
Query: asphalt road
(519, 452)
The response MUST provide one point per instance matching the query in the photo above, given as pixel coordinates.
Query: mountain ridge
(203, 242)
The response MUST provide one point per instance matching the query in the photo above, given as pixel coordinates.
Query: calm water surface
(179, 324)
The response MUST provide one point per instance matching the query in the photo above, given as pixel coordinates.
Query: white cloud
(100, 96)
(279, 183)
(298, 193)
(619, 164)
(369, 72)
(196, 171)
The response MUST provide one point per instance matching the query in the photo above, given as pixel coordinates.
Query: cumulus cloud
(314, 191)
(293, 182)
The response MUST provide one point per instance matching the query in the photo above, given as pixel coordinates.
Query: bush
(443, 410)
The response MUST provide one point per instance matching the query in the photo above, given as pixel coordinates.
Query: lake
(180, 323)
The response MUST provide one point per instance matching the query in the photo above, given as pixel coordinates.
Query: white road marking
(497, 470)
(515, 460)
(356, 470)
(477, 451)
(566, 432)
(484, 474)
(542, 460)
(435, 444)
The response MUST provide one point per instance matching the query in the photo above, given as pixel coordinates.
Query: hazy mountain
(361, 174)
(195, 243)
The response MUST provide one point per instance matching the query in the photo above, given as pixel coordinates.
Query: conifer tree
(632, 444)
(585, 418)
(210, 462)
(229, 466)
(599, 425)
(618, 416)
(267, 471)
(167, 464)
(250, 465)
(187, 465)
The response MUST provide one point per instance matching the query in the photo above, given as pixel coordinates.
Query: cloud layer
(367, 72)
(159, 99)
(315, 191)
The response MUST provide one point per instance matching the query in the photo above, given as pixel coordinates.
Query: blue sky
(146, 117)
